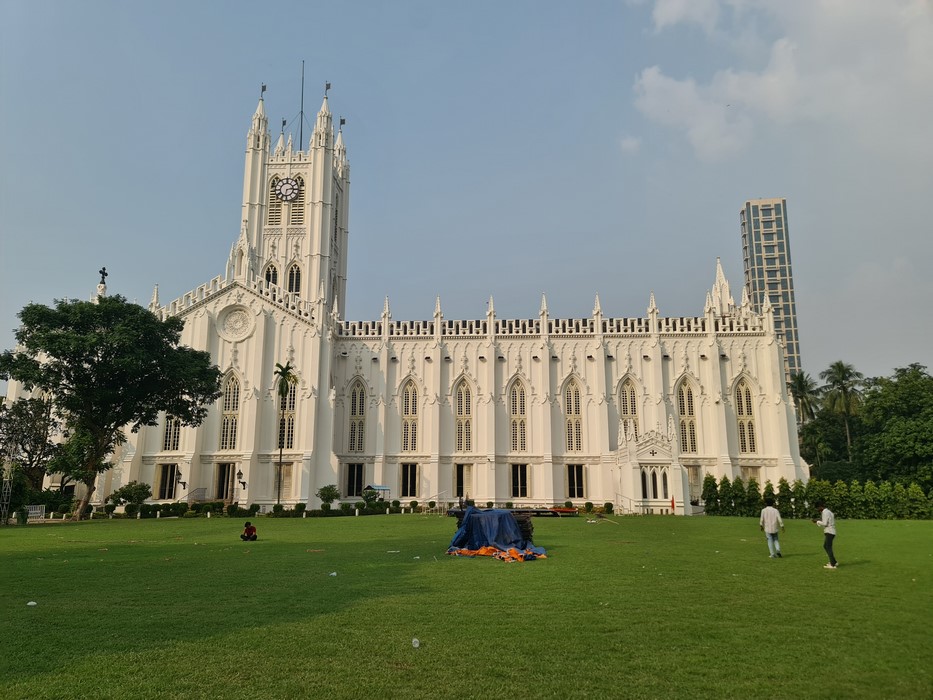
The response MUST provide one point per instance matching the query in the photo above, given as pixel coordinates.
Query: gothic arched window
(410, 417)
(688, 421)
(517, 420)
(294, 279)
(628, 406)
(464, 408)
(745, 417)
(573, 417)
(287, 418)
(231, 413)
(357, 417)
(172, 437)
(272, 275)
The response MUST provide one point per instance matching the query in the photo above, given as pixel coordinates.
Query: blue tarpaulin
(492, 533)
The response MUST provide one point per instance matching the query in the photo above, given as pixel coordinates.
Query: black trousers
(248, 538)
(828, 546)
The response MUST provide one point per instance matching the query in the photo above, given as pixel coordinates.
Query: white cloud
(630, 144)
(670, 12)
(713, 131)
(860, 68)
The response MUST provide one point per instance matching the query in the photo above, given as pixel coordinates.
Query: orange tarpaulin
(509, 555)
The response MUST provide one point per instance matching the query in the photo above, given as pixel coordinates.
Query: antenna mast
(301, 111)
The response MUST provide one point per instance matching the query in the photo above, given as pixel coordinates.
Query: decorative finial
(326, 88)
(262, 90)
(103, 275)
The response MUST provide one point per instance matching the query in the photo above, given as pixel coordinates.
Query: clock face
(286, 189)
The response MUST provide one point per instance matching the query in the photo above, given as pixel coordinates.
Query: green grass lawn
(640, 607)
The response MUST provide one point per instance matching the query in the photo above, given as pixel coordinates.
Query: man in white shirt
(827, 521)
(769, 522)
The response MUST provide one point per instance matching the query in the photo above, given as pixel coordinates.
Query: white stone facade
(539, 411)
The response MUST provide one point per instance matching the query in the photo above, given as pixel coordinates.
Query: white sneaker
(829, 566)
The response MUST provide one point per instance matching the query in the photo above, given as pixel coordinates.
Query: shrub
(360, 505)
(131, 509)
(64, 508)
(299, 509)
(588, 507)
(253, 508)
(145, 510)
(432, 504)
(325, 507)
(277, 510)
(489, 504)
(133, 492)
(396, 504)
(509, 505)
(328, 494)
(568, 504)
(109, 508)
(233, 510)
(413, 505)
(607, 507)
(345, 508)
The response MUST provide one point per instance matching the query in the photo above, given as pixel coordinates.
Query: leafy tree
(856, 500)
(806, 395)
(286, 377)
(710, 495)
(896, 440)
(899, 505)
(328, 494)
(785, 502)
(738, 497)
(801, 507)
(842, 499)
(823, 439)
(753, 503)
(27, 427)
(871, 500)
(917, 504)
(133, 492)
(726, 506)
(768, 491)
(842, 394)
(109, 365)
(885, 500)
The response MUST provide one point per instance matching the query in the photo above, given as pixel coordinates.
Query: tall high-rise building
(768, 274)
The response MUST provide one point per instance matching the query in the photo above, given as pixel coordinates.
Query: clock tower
(293, 238)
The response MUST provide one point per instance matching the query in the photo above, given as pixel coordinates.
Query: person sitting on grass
(249, 532)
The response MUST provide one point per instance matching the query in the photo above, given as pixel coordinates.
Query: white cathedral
(534, 411)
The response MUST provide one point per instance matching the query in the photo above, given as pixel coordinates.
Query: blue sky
(497, 148)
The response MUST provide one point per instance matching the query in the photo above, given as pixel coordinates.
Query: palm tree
(806, 395)
(842, 393)
(286, 376)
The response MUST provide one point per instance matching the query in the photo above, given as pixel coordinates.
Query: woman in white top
(827, 521)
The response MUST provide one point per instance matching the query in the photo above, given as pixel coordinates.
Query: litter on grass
(332, 573)
(32, 603)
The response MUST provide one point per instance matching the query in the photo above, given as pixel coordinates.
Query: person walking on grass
(769, 522)
(827, 521)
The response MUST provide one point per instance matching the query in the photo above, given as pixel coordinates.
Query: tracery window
(294, 279)
(517, 419)
(688, 421)
(464, 408)
(410, 417)
(573, 417)
(172, 436)
(628, 406)
(745, 417)
(272, 275)
(287, 418)
(231, 413)
(357, 428)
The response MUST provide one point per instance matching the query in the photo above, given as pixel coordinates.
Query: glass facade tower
(766, 256)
